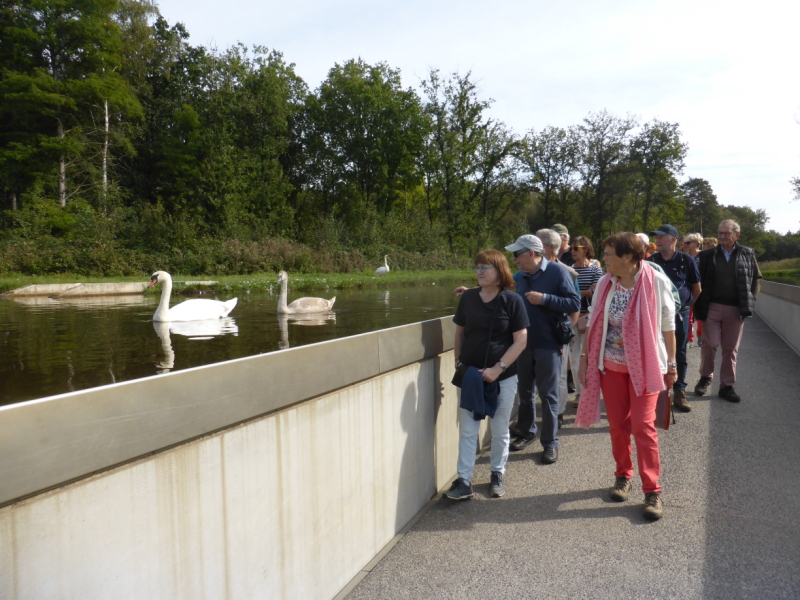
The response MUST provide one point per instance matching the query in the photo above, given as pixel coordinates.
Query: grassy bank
(267, 281)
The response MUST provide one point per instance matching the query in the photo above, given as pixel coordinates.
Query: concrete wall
(300, 466)
(779, 306)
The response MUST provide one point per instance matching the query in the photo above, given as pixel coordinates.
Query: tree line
(124, 148)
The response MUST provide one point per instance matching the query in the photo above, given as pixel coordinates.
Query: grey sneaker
(497, 487)
(701, 389)
(460, 490)
(619, 492)
(653, 508)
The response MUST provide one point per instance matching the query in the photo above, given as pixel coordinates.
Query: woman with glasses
(692, 244)
(491, 331)
(629, 353)
(589, 273)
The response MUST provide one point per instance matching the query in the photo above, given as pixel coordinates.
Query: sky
(726, 72)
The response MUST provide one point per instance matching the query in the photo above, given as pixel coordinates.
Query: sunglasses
(578, 247)
(518, 252)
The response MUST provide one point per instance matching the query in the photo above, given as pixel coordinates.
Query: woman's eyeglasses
(482, 268)
(576, 248)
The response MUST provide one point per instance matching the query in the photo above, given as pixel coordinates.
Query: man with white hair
(731, 281)
(564, 254)
(548, 292)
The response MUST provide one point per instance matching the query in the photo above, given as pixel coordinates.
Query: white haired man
(731, 282)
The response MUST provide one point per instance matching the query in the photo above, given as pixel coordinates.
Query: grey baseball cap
(527, 242)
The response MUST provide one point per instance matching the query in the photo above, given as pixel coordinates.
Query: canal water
(50, 347)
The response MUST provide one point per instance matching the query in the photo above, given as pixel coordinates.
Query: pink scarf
(641, 331)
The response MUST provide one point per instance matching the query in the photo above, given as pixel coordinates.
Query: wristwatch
(502, 365)
(672, 364)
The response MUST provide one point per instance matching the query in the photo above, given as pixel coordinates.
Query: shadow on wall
(418, 414)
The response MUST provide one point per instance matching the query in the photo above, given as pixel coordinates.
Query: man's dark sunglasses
(518, 252)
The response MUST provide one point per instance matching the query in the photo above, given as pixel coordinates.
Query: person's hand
(671, 377)
(490, 374)
(534, 298)
(459, 290)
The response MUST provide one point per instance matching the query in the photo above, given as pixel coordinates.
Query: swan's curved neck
(282, 306)
(163, 305)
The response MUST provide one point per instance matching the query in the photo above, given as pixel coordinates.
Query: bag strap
(491, 327)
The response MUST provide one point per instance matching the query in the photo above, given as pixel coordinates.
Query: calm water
(51, 347)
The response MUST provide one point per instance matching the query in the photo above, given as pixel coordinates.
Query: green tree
(657, 154)
(702, 212)
(603, 143)
(364, 134)
(64, 57)
(550, 159)
(467, 161)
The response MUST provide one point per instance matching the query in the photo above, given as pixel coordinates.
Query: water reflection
(50, 346)
(307, 320)
(194, 330)
(83, 302)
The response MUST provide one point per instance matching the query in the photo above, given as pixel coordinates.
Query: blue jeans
(681, 337)
(542, 367)
(468, 438)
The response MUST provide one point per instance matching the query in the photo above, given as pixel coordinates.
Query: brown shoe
(619, 493)
(653, 508)
(679, 400)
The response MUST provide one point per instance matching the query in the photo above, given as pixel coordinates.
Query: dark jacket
(748, 279)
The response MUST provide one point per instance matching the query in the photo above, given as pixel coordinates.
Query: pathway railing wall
(779, 306)
(273, 476)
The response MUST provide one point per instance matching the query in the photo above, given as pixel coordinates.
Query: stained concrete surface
(731, 528)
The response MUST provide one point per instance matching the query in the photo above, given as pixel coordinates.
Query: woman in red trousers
(629, 353)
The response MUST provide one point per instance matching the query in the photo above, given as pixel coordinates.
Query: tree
(550, 158)
(603, 142)
(364, 133)
(702, 212)
(468, 179)
(657, 155)
(64, 61)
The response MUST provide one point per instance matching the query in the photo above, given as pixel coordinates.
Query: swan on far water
(191, 310)
(384, 269)
(301, 305)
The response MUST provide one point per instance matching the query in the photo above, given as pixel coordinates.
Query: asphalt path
(731, 491)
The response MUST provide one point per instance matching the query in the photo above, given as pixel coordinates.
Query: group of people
(623, 334)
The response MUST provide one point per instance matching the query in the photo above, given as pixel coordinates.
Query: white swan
(301, 305)
(191, 310)
(384, 269)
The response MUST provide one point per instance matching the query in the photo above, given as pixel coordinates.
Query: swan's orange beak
(153, 281)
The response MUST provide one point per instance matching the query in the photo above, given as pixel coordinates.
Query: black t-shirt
(508, 314)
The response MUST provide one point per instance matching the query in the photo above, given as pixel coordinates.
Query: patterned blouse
(615, 345)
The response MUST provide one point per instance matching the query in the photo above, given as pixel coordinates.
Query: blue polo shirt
(682, 271)
(555, 283)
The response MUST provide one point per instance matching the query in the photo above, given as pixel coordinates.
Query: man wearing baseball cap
(564, 254)
(548, 292)
(683, 272)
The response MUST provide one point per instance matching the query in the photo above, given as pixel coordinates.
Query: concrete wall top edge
(781, 290)
(49, 441)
